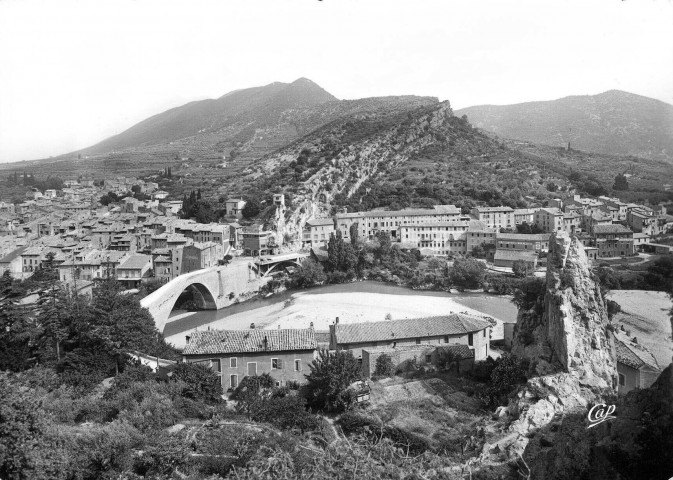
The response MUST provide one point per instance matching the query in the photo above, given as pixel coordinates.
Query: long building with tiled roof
(452, 329)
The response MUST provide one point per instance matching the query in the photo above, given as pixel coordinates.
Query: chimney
(337, 321)
(311, 326)
(187, 338)
(266, 343)
(252, 326)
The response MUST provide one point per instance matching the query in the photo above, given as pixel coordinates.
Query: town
(145, 244)
(146, 241)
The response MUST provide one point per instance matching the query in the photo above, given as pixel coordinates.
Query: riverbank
(365, 301)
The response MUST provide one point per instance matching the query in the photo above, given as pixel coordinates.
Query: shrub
(161, 455)
(286, 413)
(201, 383)
(356, 422)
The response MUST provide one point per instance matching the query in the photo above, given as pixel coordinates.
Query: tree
(354, 233)
(467, 273)
(335, 248)
(509, 372)
(309, 274)
(21, 429)
(331, 375)
(252, 208)
(522, 268)
(384, 366)
(620, 183)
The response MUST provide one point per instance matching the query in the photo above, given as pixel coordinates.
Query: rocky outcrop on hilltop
(572, 334)
(566, 338)
(335, 161)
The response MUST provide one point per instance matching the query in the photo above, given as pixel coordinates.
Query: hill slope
(613, 122)
(258, 105)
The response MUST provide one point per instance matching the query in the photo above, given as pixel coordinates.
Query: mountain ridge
(255, 104)
(613, 122)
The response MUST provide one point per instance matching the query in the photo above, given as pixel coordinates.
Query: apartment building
(517, 241)
(549, 220)
(524, 215)
(319, 231)
(390, 221)
(613, 240)
(495, 217)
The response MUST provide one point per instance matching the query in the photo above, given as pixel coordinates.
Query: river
(351, 302)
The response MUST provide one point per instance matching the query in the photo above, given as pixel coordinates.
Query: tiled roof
(136, 262)
(494, 209)
(612, 228)
(316, 222)
(626, 356)
(526, 255)
(249, 341)
(460, 352)
(453, 324)
(534, 237)
(633, 354)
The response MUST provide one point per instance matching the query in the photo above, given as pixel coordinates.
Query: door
(252, 369)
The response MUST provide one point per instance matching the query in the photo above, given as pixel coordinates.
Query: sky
(73, 72)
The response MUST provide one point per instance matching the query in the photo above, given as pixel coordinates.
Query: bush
(530, 293)
(200, 383)
(161, 455)
(354, 422)
(286, 413)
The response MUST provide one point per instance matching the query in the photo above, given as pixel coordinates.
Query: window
(215, 364)
(252, 369)
(428, 358)
(276, 364)
(484, 333)
(297, 365)
(233, 381)
(622, 380)
(470, 339)
(418, 341)
(233, 362)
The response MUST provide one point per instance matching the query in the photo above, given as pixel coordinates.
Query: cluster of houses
(606, 226)
(134, 241)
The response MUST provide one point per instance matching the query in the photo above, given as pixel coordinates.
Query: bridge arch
(288, 263)
(213, 288)
(202, 296)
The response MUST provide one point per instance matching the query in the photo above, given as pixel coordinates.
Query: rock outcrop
(566, 338)
(572, 333)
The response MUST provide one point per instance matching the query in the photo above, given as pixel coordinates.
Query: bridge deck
(271, 259)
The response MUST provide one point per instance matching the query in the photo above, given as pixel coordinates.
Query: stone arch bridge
(215, 287)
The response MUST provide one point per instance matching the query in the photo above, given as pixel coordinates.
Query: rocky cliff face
(347, 154)
(566, 338)
(572, 334)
